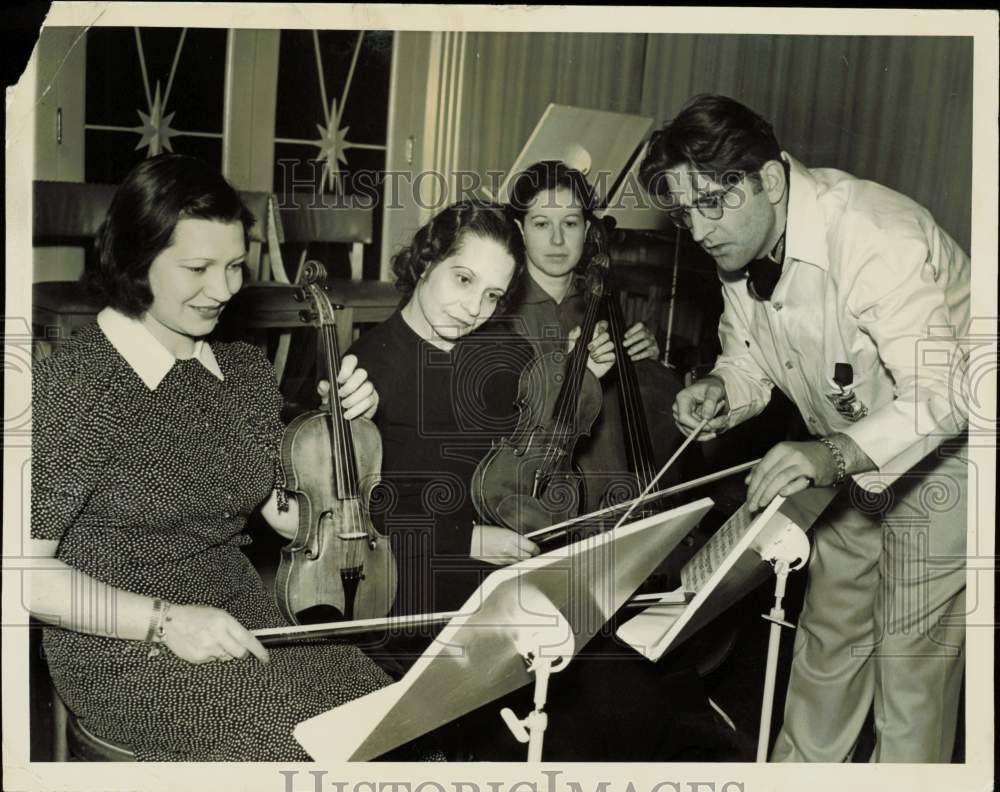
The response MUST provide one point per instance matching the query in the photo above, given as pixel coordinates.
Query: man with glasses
(849, 298)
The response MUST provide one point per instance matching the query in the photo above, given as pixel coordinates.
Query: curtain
(894, 109)
(897, 110)
(510, 79)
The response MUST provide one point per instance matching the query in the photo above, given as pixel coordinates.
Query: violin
(527, 481)
(338, 567)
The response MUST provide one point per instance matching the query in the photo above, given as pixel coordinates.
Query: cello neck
(638, 445)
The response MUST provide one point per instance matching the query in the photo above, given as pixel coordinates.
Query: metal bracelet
(838, 457)
(157, 626)
(161, 627)
(154, 620)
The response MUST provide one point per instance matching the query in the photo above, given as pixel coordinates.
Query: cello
(338, 567)
(638, 443)
(637, 438)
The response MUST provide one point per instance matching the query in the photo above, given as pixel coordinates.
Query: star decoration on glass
(155, 130)
(332, 144)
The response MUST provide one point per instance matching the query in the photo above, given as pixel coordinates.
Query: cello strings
(638, 447)
(633, 415)
(617, 330)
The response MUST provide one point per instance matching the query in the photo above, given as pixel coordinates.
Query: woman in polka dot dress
(151, 447)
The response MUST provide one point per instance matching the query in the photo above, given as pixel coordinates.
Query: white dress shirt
(870, 280)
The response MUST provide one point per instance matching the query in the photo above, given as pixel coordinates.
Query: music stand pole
(531, 729)
(786, 552)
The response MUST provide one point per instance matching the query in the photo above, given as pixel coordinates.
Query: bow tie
(764, 273)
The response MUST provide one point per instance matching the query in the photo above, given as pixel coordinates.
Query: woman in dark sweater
(446, 367)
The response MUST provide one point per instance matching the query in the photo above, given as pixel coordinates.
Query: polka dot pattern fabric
(149, 491)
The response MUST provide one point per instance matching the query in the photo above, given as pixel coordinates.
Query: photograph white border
(975, 774)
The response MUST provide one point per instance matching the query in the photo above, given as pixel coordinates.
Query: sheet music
(697, 571)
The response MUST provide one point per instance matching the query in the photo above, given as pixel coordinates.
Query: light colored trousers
(883, 622)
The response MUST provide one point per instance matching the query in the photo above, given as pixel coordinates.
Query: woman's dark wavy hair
(141, 220)
(444, 235)
(549, 175)
(713, 134)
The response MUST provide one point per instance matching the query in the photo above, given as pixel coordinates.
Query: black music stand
(526, 620)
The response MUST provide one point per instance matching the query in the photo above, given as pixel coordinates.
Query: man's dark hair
(714, 135)
(141, 220)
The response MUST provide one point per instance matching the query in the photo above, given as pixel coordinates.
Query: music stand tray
(555, 603)
(726, 568)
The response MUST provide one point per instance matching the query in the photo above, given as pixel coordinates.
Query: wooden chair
(272, 305)
(305, 221)
(57, 734)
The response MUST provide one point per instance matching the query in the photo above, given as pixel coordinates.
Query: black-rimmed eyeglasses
(711, 206)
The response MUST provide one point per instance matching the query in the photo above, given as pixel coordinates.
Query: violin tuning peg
(306, 317)
(299, 295)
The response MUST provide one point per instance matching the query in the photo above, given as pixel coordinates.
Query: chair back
(306, 220)
(71, 213)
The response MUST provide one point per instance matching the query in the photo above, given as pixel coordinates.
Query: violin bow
(559, 529)
(280, 636)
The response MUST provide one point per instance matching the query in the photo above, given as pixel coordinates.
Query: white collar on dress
(144, 352)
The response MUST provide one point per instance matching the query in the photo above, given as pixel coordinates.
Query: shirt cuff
(745, 397)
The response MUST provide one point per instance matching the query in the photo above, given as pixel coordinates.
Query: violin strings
(570, 391)
(356, 518)
(343, 451)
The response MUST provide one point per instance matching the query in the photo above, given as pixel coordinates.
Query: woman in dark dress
(446, 367)
(151, 447)
(449, 376)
